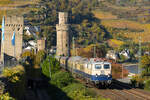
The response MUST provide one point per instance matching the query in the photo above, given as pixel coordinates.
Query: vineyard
(14, 3)
(127, 28)
(104, 15)
(122, 24)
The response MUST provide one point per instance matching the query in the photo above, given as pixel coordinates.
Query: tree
(52, 63)
(145, 65)
(101, 51)
(80, 16)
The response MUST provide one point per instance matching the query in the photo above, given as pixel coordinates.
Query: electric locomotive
(93, 70)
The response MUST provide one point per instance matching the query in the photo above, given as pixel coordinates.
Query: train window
(106, 66)
(98, 66)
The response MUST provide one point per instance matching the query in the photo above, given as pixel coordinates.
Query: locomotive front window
(98, 66)
(106, 66)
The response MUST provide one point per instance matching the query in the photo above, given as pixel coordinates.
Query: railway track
(119, 91)
(138, 93)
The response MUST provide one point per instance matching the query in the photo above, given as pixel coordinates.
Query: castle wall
(12, 24)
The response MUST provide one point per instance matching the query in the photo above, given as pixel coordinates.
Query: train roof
(83, 60)
(86, 60)
(96, 60)
(75, 58)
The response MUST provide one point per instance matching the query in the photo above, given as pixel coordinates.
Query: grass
(104, 15)
(115, 43)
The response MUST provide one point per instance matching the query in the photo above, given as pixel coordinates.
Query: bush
(15, 80)
(77, 91)
(73, 87)
(6, 97)
(137, 81)
(2, 87)
(61, 79)
(64, 86)
(147, 85)
(52, 63)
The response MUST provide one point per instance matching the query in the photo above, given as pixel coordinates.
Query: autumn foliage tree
(16, 82)
(88, 51)
(145, 65)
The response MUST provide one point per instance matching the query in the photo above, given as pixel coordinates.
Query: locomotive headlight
(109, 75)
(96, 75)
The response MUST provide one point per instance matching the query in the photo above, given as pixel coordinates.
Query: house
(147, 53)
(125, 53)
(30, 45)
(53, 50)
(112, 55)
(32, 30)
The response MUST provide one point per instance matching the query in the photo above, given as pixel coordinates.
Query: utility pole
(94, 48)
(73, 46)
(122, 71)
(139, 54)
(49, 68)
(94, 51)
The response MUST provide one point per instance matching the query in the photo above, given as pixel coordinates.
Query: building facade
(63, 29)
(12, 24)
(41, 44)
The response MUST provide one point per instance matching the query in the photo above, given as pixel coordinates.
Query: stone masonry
(13, 23)
(41, 44)
(63, 46)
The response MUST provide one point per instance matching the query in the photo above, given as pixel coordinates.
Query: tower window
(18, 29)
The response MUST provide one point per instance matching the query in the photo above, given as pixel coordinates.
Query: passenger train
(93, 70)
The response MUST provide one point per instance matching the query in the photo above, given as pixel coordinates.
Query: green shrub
(61, 79)
(77, 91)
(2, 87)
(6, 97)
(52, 63)
(137, 81)
(147, 85)
(73, 87)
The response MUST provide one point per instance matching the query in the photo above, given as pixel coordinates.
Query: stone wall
(12, 24)
(41, 44)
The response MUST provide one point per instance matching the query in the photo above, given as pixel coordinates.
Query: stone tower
(41, 44)
(12, 24)
(63, 46)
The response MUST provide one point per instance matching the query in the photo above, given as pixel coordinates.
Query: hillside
(15, 7)
(92, 21)
(125, 18)
(15, 3)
